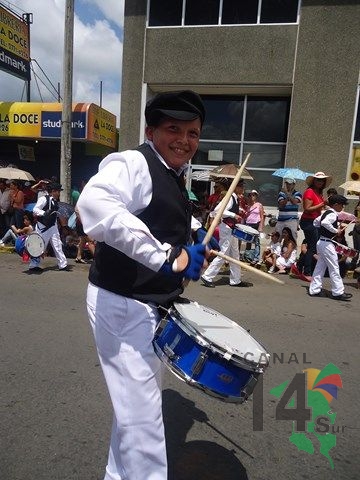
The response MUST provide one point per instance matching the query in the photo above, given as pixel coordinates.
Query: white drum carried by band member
(209, 351)
(34, 245)
(344, 250)
(244, 232)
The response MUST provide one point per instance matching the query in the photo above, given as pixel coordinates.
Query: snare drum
(209, 351)
(34, 245)
(244, 232)
(344, 250)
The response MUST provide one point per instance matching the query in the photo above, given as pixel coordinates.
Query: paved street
(55, 412)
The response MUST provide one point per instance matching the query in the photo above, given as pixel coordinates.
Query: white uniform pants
(327, 257)
(124, 330)
(51, 235)
(229, 245)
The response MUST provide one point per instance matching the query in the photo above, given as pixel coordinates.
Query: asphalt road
(56, 415)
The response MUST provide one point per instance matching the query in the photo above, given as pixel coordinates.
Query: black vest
(49, 220)
(231, 222)
(324, 232)
(168, 217)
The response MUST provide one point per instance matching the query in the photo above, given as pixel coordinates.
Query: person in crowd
(41, 188)
(313, 204)
(288, 251)
(83, 240)
(75, 194)
(29, 194)
(229, 245)
(272, 252)
(355, 233)
(137, 210)
(16, 204)
(331, 191)
(327, 257)
(4, 206)
(14, 232)
(254, 218)
(46, 213)
(289, 201)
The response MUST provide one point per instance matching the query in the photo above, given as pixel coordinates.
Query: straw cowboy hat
(309, 180)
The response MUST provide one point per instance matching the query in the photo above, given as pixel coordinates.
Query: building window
(202, 12)
(237, 125)
(221, 12)
(170, 15)
(279, 11)
(239, 12)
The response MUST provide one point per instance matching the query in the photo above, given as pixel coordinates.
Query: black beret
(183, 105)
(340, 199)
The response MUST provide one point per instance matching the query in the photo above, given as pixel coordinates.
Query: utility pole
(65, 160)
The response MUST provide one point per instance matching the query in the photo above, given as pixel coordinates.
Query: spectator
(289, 200)
(4, 207)
(313, 203)
(14, 232)
(83, 240)
(288, 251)
(254, 218)
(16, 204)
(272, 252)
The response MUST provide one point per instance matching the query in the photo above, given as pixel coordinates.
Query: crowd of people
(297, 213)
(32, 208)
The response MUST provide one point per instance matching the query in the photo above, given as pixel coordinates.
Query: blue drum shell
(223, 377)
(241, 235)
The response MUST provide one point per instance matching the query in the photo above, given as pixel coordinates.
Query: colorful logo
(314, 414)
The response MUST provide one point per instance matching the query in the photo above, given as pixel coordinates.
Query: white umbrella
(10, 173)
(351, 185)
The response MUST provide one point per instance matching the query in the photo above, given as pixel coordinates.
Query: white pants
(229, 245)
(50, 235)
(124, 330)
(327, 257)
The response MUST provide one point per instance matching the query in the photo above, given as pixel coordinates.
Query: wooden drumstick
(343, 229)
(246, 266)
(225, 201)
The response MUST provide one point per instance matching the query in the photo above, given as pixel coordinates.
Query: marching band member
(46, 212)
(137, 209)
(327, 256)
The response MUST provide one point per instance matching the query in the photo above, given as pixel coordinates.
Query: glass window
(357, 125)
(267, 119)
(279, 11)
(266, 184)
(265, 155)
(201, 12)
(161, 15)
(223, 152)
(236, 12)
(223, 119)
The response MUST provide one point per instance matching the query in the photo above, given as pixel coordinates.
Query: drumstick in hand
(246, 266)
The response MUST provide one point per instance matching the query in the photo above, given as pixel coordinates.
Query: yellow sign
(355, 168)
(43, 120)
(101, 126)
(14, 35)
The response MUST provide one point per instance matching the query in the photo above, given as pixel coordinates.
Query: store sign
(26, 153)
(14, 45)
(43, 120)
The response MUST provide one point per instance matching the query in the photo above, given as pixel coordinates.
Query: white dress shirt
(327, 222)
(112, 198)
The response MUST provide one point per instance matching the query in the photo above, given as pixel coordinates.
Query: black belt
(326, 240)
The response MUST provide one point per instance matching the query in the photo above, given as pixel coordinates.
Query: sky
(98, 41)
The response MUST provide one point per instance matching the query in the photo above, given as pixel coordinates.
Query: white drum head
(35, 245)
(246, 229)
(223, 332)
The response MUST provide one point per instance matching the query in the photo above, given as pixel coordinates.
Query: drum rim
(34, 234)
(245, 229)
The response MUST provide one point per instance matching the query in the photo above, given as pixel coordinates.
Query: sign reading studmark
(14, 45)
